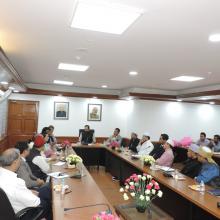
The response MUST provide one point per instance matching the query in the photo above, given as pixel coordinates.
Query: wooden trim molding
(199, 94)
(69, 94)
(153, 96)
(4, 144)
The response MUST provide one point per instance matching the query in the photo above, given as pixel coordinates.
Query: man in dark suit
(87, 136)
(158, 148)
(133, 142)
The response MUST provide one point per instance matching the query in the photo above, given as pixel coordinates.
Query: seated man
(36, 161)
(24, 171)
(133, 142)
(215, 144)
(167, 157)
(18, 194)
(87, 136)
(209, 168)
(115, 137)
(192, 165)
(203, 141)
(145, 146)
(158, 148)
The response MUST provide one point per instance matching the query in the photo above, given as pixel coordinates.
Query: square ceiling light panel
(104, 17)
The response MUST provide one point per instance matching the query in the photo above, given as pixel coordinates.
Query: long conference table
(178, 200)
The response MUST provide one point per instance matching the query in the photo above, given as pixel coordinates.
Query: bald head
(9, 158)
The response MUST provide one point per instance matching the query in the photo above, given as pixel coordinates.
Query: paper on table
(60, 163)
(164, 168)
(58, 175)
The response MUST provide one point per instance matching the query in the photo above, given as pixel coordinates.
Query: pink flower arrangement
(114, 144)
(105, 216)
(65, 143)
(184, 142)
(143, 188)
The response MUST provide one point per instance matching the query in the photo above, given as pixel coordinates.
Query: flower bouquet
(72, 160)
(148, 160)
(114, 144)
(184, 142)
(144, 189)
(105, 216)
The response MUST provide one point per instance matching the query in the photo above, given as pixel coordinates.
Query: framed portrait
(94, 112)
(61, 110)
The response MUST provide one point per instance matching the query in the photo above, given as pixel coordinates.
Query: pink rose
(157, 187)
(132, 187)
(149, 186)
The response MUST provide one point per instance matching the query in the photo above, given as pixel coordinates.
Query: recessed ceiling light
(94, 97)
(72, 67)
(187, 78)
(4, 83)
(104, 86)
(103, 17)
(59, 95)
(179, 100)
(61, 82)
(214, 38)
(15, 91)
(211, 103)
(133, 73)
(1, 93)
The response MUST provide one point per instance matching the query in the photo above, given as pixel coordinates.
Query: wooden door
(22, 120)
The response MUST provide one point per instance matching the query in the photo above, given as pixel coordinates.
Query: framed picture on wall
(61, 110)
(94, 112)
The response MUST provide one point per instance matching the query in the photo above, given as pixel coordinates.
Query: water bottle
(202, 187)
(62, 187)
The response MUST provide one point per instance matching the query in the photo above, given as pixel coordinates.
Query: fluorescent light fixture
(72, 67)
(204, 98)
(179, 100)
(211, 103)
(15, 91)
(133, 73)
(104, 17)
(187, 78)
(4, 83)
(61, 82)
(1, 93)
(214, 38)
(11, 88)
(104, 86)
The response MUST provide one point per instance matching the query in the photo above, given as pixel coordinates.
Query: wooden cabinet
(22, 120)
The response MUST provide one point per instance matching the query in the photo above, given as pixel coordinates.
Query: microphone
(86, 206)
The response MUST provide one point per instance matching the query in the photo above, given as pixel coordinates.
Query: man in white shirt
(19, 196)
(145, 146)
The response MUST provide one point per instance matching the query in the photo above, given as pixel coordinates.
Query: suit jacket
(157, 151)
(133, 144)
(24, 172)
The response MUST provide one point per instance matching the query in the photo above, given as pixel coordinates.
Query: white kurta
(18, 194)
(145, 148)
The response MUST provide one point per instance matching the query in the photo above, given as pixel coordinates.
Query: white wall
(112, 114)
(176, 119)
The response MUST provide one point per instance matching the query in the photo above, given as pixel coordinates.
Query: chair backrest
(82, 130)
(6, 210)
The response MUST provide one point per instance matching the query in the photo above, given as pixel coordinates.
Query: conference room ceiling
(171, 38)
